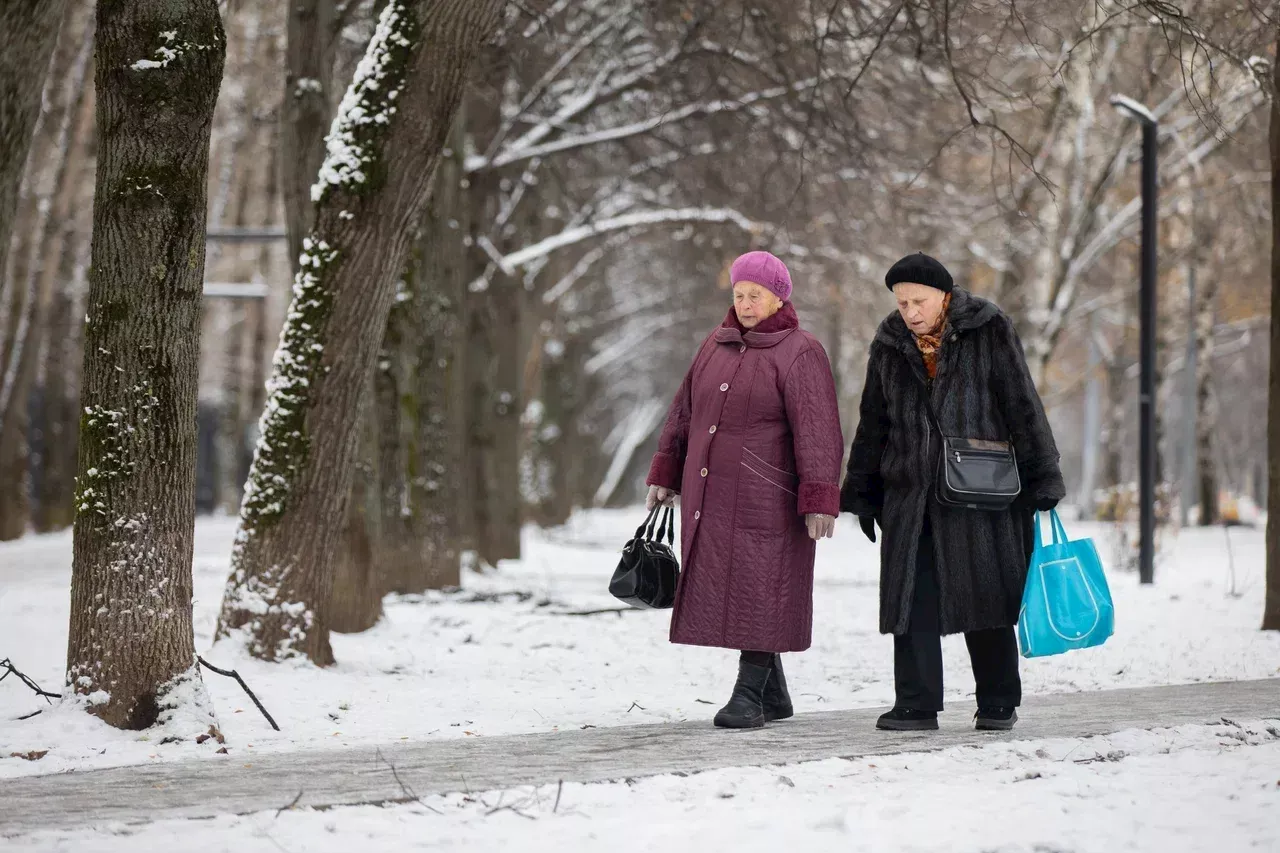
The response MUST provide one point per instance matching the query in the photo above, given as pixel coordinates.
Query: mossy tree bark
(383, 149)
(158, 70)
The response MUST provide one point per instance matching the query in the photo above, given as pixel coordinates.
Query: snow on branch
(598, 91)
(638, 426)
(522, 151)
(643, 218)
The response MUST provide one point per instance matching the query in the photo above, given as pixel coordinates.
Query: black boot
(777, 701)
(908, 720)
(746, 707)
(995, 719)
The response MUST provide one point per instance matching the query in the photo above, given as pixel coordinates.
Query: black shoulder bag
(648, 571)
(975, 473)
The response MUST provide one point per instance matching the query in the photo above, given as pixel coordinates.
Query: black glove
(868, 526)
(1044, 504)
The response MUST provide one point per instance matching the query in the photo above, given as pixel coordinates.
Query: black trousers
(917, 654)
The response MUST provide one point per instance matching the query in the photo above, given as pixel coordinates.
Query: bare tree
(131, 649)
(382, 151)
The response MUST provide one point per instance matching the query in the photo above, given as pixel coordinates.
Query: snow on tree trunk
(305, 115)
(1271, 610)
(381, 152)
(131, 649)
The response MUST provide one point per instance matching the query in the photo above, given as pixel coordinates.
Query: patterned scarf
(930, 342)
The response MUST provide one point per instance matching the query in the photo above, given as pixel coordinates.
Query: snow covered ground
(504, 655)
(1193, 788)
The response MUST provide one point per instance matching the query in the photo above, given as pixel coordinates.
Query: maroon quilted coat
(753, 444)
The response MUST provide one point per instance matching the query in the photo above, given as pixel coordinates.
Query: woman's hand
(820, 526)
(659, 496)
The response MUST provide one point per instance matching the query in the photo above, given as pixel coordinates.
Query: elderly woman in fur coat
(752, 445)
(947, 569)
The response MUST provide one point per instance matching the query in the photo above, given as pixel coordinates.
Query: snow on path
(1190, 788)
(449, 666)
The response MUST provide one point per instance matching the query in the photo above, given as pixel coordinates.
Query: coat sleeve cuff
(821, 498)
(664, 471)
(1044, 480)
(859, 499)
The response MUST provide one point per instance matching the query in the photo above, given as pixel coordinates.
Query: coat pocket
(784, 480)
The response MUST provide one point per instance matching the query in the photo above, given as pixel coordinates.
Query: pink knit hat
(764, 269)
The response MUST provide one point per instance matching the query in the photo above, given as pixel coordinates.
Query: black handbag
(975, 473)
(648, 571)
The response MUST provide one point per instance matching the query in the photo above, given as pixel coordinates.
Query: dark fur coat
(983, 390)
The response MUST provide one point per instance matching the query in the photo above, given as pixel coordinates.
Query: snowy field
(504, 655)
(1193, 788)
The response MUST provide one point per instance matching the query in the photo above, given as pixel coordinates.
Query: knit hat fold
(766, 270)
(919, 269)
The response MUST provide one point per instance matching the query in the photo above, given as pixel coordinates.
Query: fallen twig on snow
(10, 669)
(231, 673)
(404, 787)
(618, 610)
(290, 806)
(29, 716)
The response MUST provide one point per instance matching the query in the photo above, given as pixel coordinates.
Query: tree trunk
(1271, 610)
(422, 494)
(28, 32)
(159, 67)
(64, 353)
(1206, 474)
(355, 603)
(51, 171)
(305, 117)
(384, 146)
(494, 430)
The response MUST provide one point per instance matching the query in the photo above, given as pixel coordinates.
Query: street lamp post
(1147, 348)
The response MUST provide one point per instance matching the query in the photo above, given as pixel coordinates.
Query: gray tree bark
(304, 120)
(1271, 608)
(28, 32)
(158, 70)
(386, 141)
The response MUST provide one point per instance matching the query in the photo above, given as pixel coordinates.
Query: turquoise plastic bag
(1066, 603)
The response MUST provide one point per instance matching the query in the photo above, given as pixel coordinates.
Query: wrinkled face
(754, 303)
(919, 305)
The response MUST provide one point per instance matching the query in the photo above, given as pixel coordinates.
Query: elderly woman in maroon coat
(752, 445)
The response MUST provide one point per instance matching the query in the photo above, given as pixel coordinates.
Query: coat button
(724, 387)
(697, 515)
(712, 430)
(742, 348)
(704, 472)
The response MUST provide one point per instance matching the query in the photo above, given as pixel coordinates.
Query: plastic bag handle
(1059, 532)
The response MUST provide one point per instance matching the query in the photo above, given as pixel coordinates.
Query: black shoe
(777, 701)
(995, 719)
(746, 707)
(908, 720)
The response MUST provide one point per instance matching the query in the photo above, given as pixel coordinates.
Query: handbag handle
(647, 524)
(667, 529)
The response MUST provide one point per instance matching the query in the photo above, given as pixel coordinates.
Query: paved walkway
(210, 787)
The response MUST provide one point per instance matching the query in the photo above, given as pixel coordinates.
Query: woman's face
(754, 303)
(919, 305)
